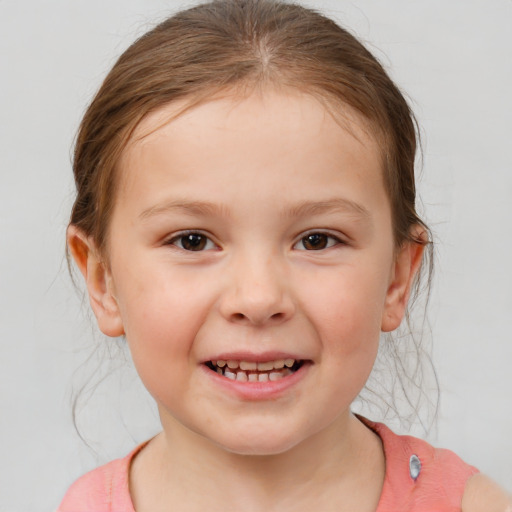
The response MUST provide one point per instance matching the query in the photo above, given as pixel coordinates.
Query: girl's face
(255, 232)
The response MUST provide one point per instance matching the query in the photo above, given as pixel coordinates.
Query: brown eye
(316, 242)
(193, 242)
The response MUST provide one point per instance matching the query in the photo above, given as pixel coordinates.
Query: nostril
(257, 319)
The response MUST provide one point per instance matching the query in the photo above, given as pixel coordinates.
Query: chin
(264, 443)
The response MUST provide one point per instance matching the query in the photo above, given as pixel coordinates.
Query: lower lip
(258, 390)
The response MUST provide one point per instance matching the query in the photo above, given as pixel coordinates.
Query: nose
(258, 293)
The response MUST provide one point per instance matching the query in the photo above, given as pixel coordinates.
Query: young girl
(245, 217)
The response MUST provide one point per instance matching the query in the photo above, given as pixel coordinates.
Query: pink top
(419, 478)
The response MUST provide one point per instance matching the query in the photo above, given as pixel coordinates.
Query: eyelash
(329, 239)
(204, 241)
(184, 234)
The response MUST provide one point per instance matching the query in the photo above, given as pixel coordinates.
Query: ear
(98, 280)
(406, 265)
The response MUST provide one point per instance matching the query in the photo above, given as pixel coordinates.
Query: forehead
(294, 103)
(245, 136)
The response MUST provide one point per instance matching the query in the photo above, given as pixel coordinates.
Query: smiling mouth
(251, 371)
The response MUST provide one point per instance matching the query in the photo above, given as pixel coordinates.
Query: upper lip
(254, 357)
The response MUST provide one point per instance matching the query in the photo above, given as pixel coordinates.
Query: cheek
(161, 318)
(346, 307)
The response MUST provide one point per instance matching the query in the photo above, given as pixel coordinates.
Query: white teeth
(265, 367)
(229, 375)
(241, 370)
(248, 365)
(241, 376)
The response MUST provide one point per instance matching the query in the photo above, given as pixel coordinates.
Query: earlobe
(406, 266)
(98, 280)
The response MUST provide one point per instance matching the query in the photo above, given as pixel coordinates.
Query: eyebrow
(302, 209)
(192, 208)
(337, 204)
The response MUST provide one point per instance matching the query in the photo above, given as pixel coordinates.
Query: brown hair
(237, 44)
(232, 43)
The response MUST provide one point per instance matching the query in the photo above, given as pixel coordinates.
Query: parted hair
(240, 44)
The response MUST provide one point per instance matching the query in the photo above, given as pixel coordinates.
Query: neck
(336, 464)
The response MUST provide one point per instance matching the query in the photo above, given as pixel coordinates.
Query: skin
(254, 176)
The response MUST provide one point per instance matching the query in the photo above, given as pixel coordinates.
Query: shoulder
(92, 491)
(484, 495)
(103, 489)
(420, 477)
(423, 461)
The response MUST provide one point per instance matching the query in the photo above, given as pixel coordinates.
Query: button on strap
(414, 467)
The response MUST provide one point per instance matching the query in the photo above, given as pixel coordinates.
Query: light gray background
(453, 58)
